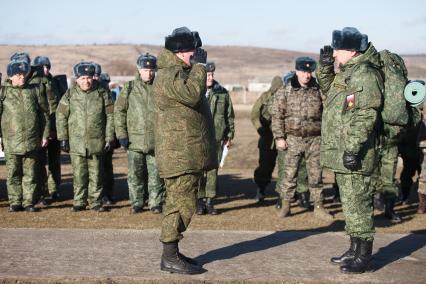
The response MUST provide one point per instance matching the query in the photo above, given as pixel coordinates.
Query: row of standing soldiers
(85, 122)
(407, 145)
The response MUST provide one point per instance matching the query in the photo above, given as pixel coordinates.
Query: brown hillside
(234, 64)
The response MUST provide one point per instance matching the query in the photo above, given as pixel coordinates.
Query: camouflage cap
(210, 67)
(18, 67)
(41, 61)
(147, 61)
(350, 39)
(84, 69)
(182, 40)
(98, 69)
(21, 56)
(306, 64)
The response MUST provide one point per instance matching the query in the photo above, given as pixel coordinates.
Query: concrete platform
(127, 256)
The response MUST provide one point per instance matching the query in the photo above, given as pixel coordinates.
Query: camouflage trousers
(267, 160)
(22, 177)
(298, 147)
(208, 187)
(412, 157)
(108, 175)
(181, 193)
(356, 195)
(383, 179)
(422, 177)
(302, 175)
(143, 179)
(87, 179)
(49, 179)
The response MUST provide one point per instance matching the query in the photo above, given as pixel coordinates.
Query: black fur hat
(210, 67)
(84, 69)
(182, 39)
(105, 78)
(350, 39)
(98, 69)
(41, 61)
(305, 64)
(18, 66)
(147, 61)
(21, 56)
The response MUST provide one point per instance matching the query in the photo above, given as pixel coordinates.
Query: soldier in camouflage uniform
(422, 178)
(223, 117)
(42, 75)
(184, 139)
(134, 125)
(353, 99)
(261, 119)
(25, 125)
(296, 125)
(84, 123)
(108, 172)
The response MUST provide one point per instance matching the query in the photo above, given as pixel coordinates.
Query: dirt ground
(237, 208)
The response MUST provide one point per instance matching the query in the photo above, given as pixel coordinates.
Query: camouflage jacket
(134, 115)
(222, 112)
(261, 112)
(47, 89)
(86, 119)
(184, 130)
(297, 110)
(24, 118)
(353, 99)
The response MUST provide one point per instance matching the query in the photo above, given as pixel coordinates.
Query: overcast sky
(296, 25)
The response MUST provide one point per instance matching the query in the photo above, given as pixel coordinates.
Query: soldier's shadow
(399, 249)
(263, 243)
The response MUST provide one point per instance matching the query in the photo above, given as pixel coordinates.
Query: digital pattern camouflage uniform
(223, 117)
(86, 118)
(268, 155)
(184, 138)
(296, 117)
(24, 123)
(134, 119)
(350, 125)
(47, 90)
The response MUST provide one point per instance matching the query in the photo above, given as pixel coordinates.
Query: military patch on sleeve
(350, 102)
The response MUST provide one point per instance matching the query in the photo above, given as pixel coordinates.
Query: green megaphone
(415, 92)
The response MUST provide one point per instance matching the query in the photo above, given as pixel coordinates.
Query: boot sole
(368, 269)
(171, 270)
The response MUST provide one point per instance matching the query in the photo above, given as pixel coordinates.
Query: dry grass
(235, 203)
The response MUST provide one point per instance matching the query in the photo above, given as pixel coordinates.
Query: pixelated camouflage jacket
(222, 112)
(134, 115)
(47, 89)
(184, 130)
(297, 110)
(86, 119)
(261, 113)
(24, 118)
(353, 99)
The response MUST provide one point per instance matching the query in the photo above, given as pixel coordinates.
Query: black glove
(350, 161)
(65, 146)
(124, 142)
(326, 55)
(108, 147)
(200, 56)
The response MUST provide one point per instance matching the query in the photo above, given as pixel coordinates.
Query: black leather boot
(201, 207)
(390, 213)
(171, 261)
(362, 259)
(260, 194)
(304, 200)
(349, 255)
(210, 207)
